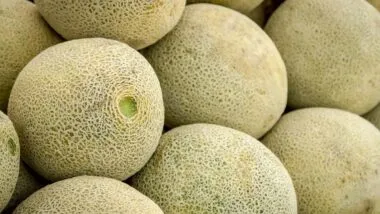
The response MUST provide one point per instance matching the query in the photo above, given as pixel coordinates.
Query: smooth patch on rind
(331, 50)
(70, 105)
(88, 194)
(333, 157)
(206, 168)
(135, 22)
(9, 160)
(238, 81)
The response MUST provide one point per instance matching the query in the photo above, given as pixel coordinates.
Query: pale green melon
(217, 66)
(333, 157)
(27, 183)
(331, 51)
(87, 107)
(206, 168)
(88, 194)
(135, 22)
(23, 35)
(9, 159)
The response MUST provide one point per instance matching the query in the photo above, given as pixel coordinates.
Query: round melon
(88, 194)
(135, 22)
(244, 6)
(333, 157)
(23, 35)
(27, 183)
(331, 50)
(374, 116)
(9, 159)
(217, 66)
(375, 3)
(206, 168)
(88, 106)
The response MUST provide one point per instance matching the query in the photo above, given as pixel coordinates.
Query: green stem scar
(128, 106)
(12, 146)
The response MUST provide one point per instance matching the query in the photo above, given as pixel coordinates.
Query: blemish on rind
(12, 146)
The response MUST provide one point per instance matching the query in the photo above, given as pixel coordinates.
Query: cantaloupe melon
(206, 168)
(218, 66)
(331, 50)
(374, 116)
(244, 6)
(23, 34)
(135, 22)
(375, 3)
(88, 194)
(88, 106)
(27, 183)
(333, 157)
(9, 159)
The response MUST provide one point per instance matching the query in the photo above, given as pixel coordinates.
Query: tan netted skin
(244, 6)
(375, 3)
(331, 50)
(374, 116)
(23, 34)
(88, 194)
(26, 184)
(9, 159)
(205, 168)
(88, 106)
(135, 22)
(217, 66)
(333, 157)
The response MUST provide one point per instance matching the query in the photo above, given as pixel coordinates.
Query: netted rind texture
(331, 50)
(217, 66)
(333, 157)
(68, 106)
(374, 116)
(9, 159)
(244, 6)
(26, 184)
(205, 168)
(23, 35)
(88, 194)
(135, 22)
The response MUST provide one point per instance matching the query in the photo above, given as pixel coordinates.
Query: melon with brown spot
(89, 106)
(217, 66)
(206, 168)
(135, 22)
(333, 157)
(374, 116)
(331, 50)
(9, 159)
(244, 6)
(88, 194)
(23, 35)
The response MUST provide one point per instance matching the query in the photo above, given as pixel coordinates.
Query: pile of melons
(190, 107)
